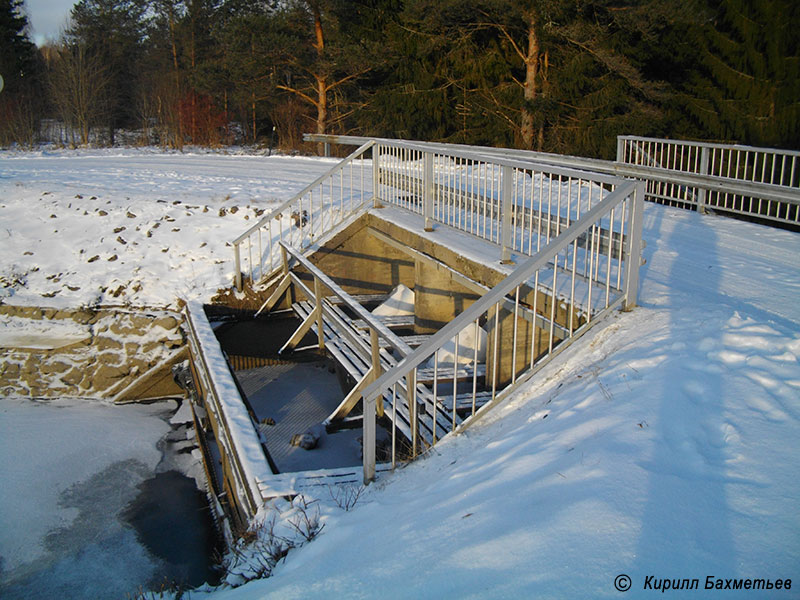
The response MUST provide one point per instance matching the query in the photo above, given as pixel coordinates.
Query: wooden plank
(391, 321)
(412, 340)
(360, 298)
(351, 399)
(464, 401)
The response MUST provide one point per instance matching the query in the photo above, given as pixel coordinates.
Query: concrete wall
(362, 264)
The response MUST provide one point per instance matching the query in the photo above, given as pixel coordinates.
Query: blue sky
(47, 17)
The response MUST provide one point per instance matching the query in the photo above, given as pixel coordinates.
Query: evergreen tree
(745, 85)
(20, 99)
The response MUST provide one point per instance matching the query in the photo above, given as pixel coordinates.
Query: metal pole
(427, 190)
(636, 211)
(320, 320)
(376, 365)
(368, 437)
(701, 192)
(238, 267)
(506, 203)
(376, 175)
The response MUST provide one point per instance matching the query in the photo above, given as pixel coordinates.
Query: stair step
(360, 298)
(462, 373)
(464, 401)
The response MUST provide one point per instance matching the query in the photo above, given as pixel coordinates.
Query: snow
(664, 443)
(131, 226)
(239, 429)
(16, 332)
(399, 303)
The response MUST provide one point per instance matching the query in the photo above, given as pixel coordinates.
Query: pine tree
(113, 32)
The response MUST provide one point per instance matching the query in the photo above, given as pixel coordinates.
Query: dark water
(128, 526)
(173, 522)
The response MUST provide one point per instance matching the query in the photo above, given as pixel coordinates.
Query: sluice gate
(431, 281)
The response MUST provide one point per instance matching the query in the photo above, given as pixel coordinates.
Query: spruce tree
(746, 86)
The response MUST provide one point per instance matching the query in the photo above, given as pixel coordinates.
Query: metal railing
(578, 234)
(766, 189)
(763, 168)
(519, 205)
(306, 218)
(572, 282)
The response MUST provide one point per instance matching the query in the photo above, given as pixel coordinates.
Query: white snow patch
(399, 303)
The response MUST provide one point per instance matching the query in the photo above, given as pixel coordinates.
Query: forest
(563, 76)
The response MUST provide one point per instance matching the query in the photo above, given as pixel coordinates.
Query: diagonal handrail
(311, 186)
(307, 222)
(374, 323)
(498, 292)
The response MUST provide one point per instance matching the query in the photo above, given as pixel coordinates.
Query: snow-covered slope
(666, 444)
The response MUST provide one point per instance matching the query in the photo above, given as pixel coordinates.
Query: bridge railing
(760, 183)
(517, 204)
(763, 170)
(547, 302)
(243, 459)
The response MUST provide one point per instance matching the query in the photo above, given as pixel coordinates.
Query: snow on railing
(547, 302)
(766, 170)
(246, 464)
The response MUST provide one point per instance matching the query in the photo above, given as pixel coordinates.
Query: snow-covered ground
(131, 226)
(666, 444)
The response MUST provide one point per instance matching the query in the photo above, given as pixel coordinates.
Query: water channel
(99, 501)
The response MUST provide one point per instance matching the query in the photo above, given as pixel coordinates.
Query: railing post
(507, 206)
(238, 267)
(320, 321)
(701, 192)
(427, 190)
(411, 396)
(285, 259)
(376, 175)
(376, 365)
(368, 440)
(620, 149)
(635, 217)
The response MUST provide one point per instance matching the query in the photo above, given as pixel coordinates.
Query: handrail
(499, 157)
(766, 191)
(350, 302)
(515, 279)
(710, 145)
(242, 443)
(309, 215)
(276, 211)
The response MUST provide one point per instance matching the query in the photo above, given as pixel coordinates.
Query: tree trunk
(527, 129)
(320, 77)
